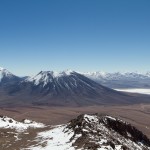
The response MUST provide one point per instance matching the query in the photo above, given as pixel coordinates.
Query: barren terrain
(137, 115)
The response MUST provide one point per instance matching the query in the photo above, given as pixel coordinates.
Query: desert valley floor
(138, 115)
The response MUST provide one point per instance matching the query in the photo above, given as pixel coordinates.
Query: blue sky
(83, 35)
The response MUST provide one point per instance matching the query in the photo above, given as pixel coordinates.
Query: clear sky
(82, 35)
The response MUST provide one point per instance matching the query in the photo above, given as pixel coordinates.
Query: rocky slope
(93, 132)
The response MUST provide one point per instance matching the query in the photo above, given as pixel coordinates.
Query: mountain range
(121, 80)
(112, 80)
(67, 88)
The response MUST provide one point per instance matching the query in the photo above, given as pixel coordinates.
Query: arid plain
(138, 115)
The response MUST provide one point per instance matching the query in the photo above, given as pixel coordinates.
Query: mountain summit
(93, 132)
(5, 74)
(7, 77)
(44, 77)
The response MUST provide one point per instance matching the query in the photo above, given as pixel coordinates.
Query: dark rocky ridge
(98, 131)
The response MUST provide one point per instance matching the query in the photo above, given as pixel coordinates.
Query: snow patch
(111, 118)
(140, 91)
(90, 118)
(56, 139)
(6, 122)
(1, 68)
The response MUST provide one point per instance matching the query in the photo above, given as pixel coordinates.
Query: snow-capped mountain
(5, 74)
(117, 75)
(7, 77)
(121, 80)
(66, 88)
(115, 80)
(92, 132)
(148, 74)
(45, 77)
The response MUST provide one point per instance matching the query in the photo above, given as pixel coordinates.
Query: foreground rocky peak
(86, 132)
(106, 132)
(93, 132)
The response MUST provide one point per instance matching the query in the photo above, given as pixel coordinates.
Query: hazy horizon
(79, 71)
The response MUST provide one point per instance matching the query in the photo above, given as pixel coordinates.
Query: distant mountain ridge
(96, 76)
(7, 77)
(5, 74)
(117, 75)
(66, 88)
(116, 80)
(121, 80)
